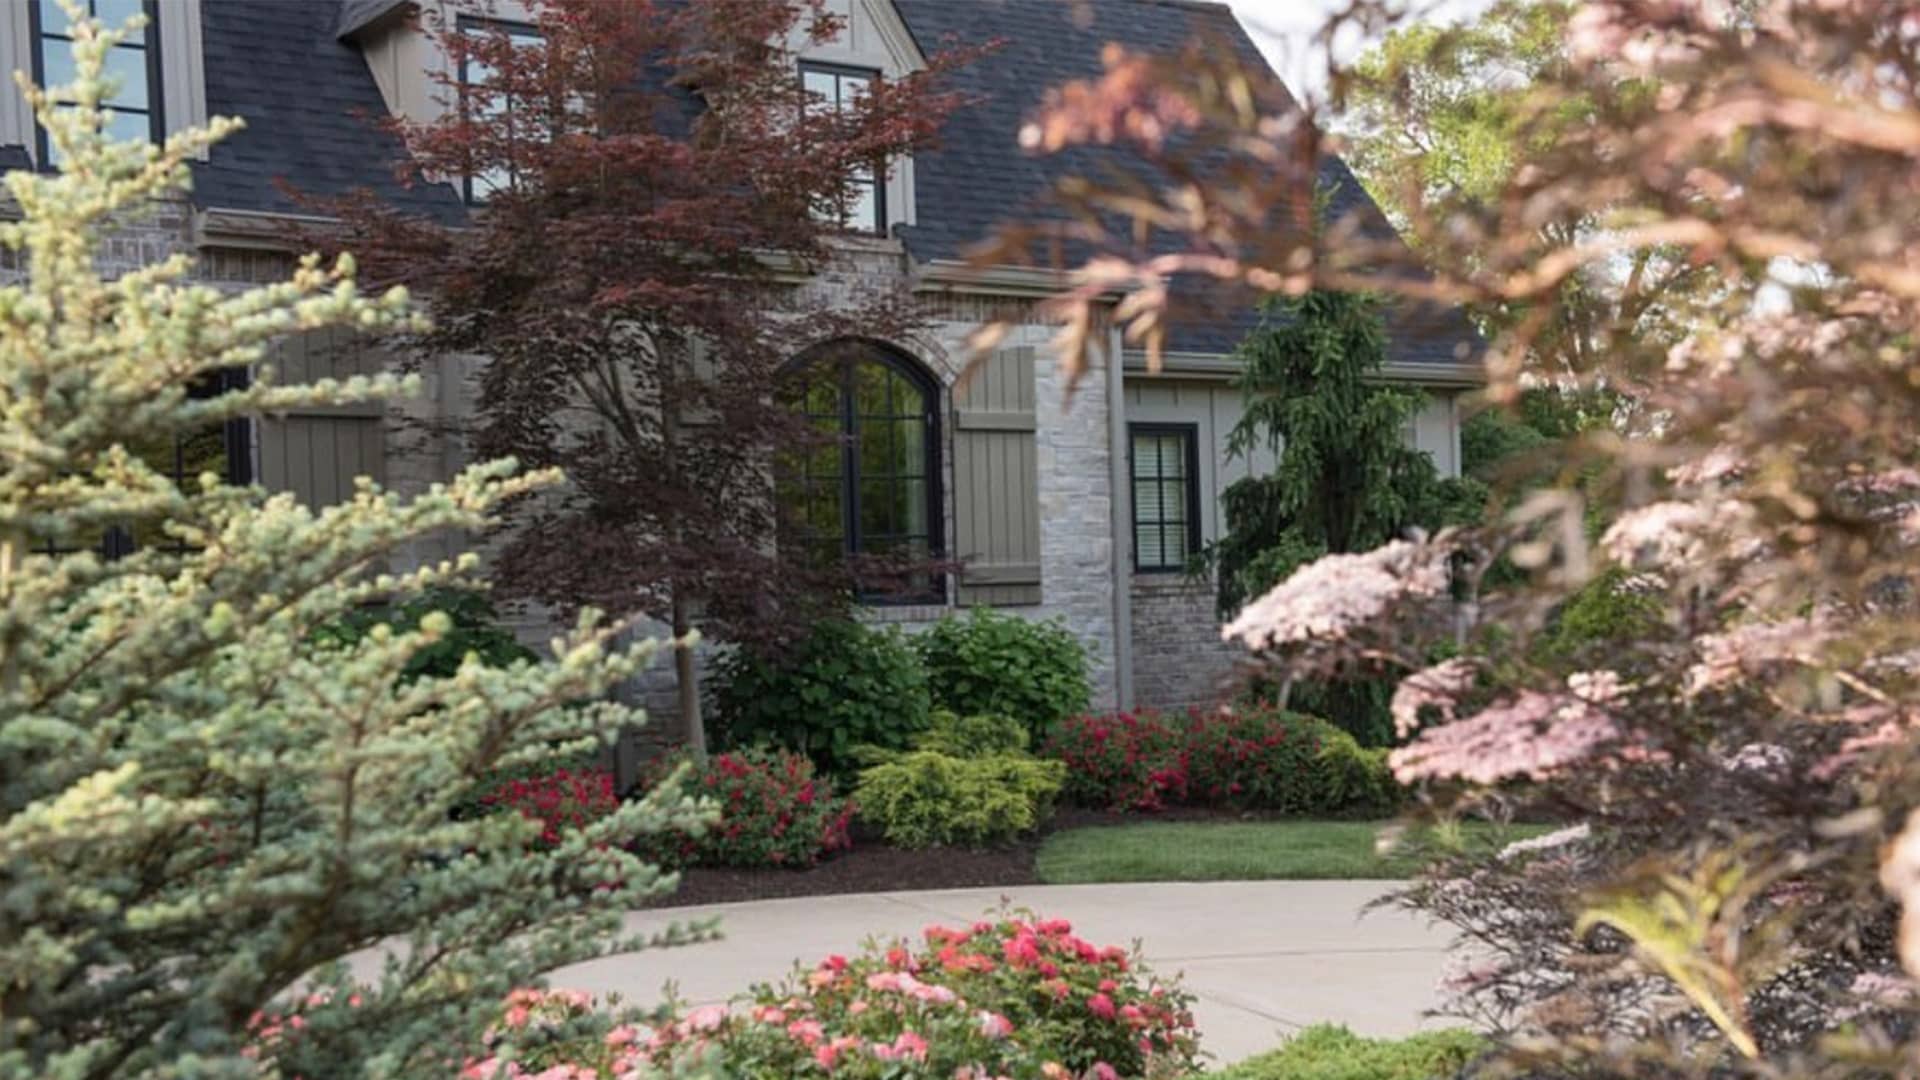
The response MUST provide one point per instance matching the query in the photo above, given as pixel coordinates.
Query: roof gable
(312, 110)
(978, 178)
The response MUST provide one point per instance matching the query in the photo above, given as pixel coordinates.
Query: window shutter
(316, 451)
(996, 481)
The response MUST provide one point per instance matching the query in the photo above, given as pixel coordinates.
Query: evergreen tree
(205, 805)
(1345, 477)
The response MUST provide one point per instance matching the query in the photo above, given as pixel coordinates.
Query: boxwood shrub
(930, 799)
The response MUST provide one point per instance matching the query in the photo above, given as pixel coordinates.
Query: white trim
(895, 35)
(183, 71)
(1120, 541)
(16, 53)
(183, 67)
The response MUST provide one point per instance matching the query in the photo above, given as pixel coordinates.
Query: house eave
(254, 229)
(1206, 365)
(956, 276)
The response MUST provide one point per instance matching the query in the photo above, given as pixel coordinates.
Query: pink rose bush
(1016, 997)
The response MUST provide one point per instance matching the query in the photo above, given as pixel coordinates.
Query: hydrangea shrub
(995, 664)
(844, 687)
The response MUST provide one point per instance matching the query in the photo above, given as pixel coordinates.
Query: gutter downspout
(1120, 542)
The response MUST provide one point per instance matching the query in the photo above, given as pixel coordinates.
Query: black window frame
(236, 437)
(846, 356)
(465, 24)
(1189, 434)
(874, 76)
(156, 81)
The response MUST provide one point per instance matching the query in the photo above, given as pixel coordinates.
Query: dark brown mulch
(872, 865)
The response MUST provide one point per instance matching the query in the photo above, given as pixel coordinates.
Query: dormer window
(837, 88)
(474, 72)
(134, 111)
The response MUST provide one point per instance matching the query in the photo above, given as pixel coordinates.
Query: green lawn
(1249, 850)
(1325, 1052)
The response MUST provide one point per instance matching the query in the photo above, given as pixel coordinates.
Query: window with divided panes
(834, 88)
(869, 485)
(1165, 463)
(134, 110)
(223, 449)
(474, 72)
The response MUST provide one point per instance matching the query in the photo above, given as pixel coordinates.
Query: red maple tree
(652, 186)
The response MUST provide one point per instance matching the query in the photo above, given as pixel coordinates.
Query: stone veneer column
(1076, 516)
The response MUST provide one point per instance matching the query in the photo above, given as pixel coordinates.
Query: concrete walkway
(1265, 958)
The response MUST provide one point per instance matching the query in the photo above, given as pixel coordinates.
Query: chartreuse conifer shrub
(205, 806)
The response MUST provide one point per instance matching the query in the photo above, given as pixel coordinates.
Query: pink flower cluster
(1532, 734)
(1012, 997)
(1334, 596)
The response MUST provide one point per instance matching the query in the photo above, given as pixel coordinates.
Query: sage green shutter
(316, 451)
(996, 482)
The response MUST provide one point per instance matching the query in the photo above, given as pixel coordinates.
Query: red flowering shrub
(774, 811)
(561, 801)
(1256, 759)
(1122, 761)
(1251, 758)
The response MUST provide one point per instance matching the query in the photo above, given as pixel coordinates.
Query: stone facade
(1179, 659)
(1175, 656)
(1073, 453)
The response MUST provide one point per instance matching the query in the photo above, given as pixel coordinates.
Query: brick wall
(1178, 657)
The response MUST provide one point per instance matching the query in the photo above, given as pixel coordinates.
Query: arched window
(872, 485)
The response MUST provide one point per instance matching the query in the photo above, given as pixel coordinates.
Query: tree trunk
(688, 683)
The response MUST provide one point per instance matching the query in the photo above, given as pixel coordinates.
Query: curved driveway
(1264, 957)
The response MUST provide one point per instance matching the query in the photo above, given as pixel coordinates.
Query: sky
(1284, 30)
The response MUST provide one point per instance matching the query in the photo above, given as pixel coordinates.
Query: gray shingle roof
(978, 178)
(312, 111)
(311, 106)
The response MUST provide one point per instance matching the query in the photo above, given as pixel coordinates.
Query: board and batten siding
(317, 451)
(996, 485)
(1214, 408)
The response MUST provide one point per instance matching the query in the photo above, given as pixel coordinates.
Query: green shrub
(1354, 779)
(842, 687)
(1329, 1052)
(774, 812)
(1002, 665)
(930, 799)
(1603, 611)
(476, 629)
(972, 736)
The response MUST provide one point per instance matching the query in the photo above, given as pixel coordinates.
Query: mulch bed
(872, 865)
